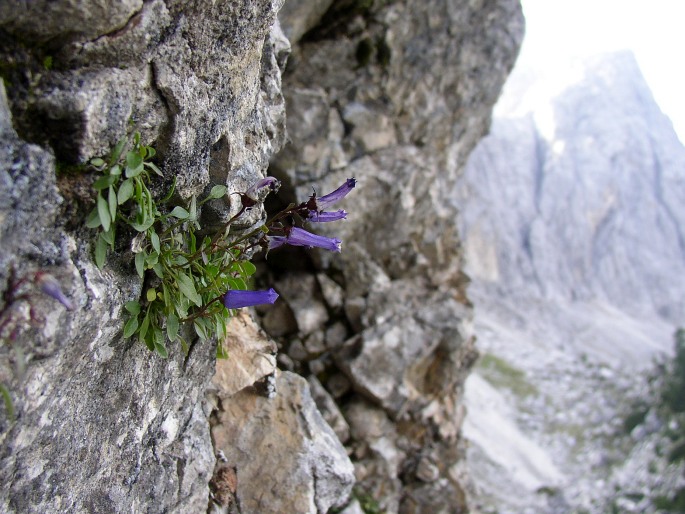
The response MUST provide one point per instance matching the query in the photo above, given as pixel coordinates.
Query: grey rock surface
(395, 94)
(287, 458)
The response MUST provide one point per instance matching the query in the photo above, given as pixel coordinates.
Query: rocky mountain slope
(396, 93)
(591, 206)
(572, 217)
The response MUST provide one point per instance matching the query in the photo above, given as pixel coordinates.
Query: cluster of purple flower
(313, 210)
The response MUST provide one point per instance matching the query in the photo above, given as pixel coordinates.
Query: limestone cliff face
(102, 424)
(394, 93)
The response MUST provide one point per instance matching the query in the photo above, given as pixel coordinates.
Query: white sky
(654, 30)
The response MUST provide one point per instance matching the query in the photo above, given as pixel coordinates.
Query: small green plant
(501, 374)
(192, 273)
(191, 279)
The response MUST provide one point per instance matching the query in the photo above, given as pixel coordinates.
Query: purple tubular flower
(324, 217)
(338, 194)
(51, 287)
(300, 237)
(263, 187)
(276, 241)
(235, 299)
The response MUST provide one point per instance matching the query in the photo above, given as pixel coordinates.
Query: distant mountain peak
(583, 177)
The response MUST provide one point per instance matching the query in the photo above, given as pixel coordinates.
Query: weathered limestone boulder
(286, 457)
(251, 357)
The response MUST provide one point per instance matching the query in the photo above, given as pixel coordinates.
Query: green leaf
(182, 306)
(130, 327)
(221, 352)
(211, 271)
(217, 191)
(109, 236)
(172, 326)
(104, 182)
(151, 152)
(125, 191)
(133, 307)
(116, 153)
(115, 170)
(103, 212)
(237, 283)
(97, 162)
(180, 213)
(7, 398)
(161, 350)
(149, 341)
(193, 208)
(112, 201)
(166, 296)
(159, 270)
(157, 335)
(140, 264)
(192, 245)
(144, 325)
(220, 322)
(151, 294)
(139, 191)
(100, 251)
(153, 212)
(248, 268)
(200, 330)
(151, 259)
(93, 219)
(134, 164)
(171, 191)
(154, 168)
(187, 287)
(144, 225)
(154, 239)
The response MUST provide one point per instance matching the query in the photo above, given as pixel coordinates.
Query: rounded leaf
(125, 191)
(217, 191)
(180, 213)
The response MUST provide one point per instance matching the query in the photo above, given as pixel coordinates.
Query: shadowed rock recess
(393, 93)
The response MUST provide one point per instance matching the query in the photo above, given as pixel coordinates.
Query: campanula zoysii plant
(191, 279)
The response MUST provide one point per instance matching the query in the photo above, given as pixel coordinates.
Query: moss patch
(501, 374)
